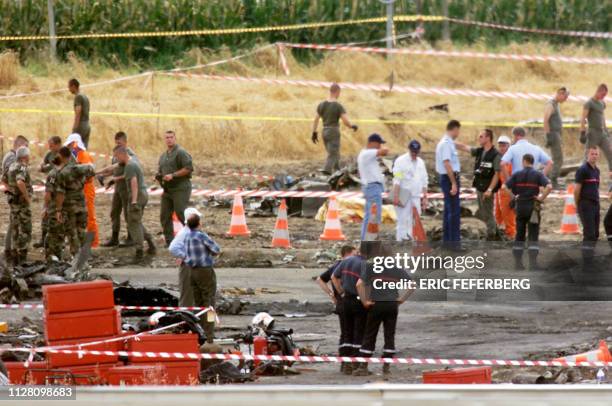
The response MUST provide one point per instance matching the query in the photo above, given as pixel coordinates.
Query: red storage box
(459, 375)
(183, 343)
(136, 375)
(88, 324)
(179, 372)
(62, 360)
(17, 372)
(78, 297)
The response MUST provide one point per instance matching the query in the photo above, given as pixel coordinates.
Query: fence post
(52, 38)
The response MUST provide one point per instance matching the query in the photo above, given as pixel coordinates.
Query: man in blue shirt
(521, 146)
(528, 189)
(586, 196)
(448, 168)
(198, 253)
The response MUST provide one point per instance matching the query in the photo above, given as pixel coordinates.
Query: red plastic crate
(459, 375)
(179, 372)
(62, 360)
(183, 343)
(94, 374)
(17, 372)
(78, 297)
(136, 375)
(87, 324)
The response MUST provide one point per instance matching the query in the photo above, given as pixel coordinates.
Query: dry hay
(9, 68)
(252, 142)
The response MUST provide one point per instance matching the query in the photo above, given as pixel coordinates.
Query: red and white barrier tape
(431, 91)
(321, 358)
(156, 308)
(467, 194)
(457, 54)
(282, 60)
(586, 34)
(249, 175)
(44, 145)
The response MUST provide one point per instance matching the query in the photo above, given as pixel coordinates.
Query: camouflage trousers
(74, 216)
(21, 226)
(54, 244)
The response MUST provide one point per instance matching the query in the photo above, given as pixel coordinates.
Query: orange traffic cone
(601, 354)
(280, 239)
(569, 222)
(372, 229)
(419, 238)
(238, 226)
(176, 223)
(332, 230)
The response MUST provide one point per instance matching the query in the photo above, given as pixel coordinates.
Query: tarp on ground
(351, 209)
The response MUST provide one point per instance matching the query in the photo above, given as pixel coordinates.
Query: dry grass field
(253, 141)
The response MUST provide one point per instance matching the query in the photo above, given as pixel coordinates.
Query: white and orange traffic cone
(372, 229)
(332, 230)
(176, 223)
(419, 237)
(601, 354)
(569, 222)
(280, 239)
(238, 226)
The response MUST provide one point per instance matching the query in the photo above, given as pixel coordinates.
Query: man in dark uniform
(324, 281)
(53, 144)
(586, 196)
(529, 189)
(174, 175)
(608, 221)
(119, 203)
(331, 111)
(345, 278)
(379, 292)
(81, 112)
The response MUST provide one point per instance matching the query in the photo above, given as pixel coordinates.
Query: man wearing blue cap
(372, 178)
(409, 189)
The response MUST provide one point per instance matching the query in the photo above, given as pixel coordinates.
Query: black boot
(533, 261)
(128, 242)
(138, 257)
(113, 242)
(362, 370)
(518, 260)
(152, 248)
(40, 243)
(21, 257)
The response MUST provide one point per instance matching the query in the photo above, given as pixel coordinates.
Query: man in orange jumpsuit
(79, 151)
(503, 213)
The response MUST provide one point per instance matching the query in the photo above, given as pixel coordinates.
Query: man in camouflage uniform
(20, 187)
(54, 244)
(137, 198)
(70, 210)
(46, 166)
(7, 161)
(120, 194)
(174, 176)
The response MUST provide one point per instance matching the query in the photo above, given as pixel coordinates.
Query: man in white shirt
(409, 189)
(177, 249)
(372, 178)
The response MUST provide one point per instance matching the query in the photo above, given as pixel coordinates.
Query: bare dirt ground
(534, 330)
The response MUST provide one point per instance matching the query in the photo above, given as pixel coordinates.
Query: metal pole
(52, 38)
(390, 24)
(445, 25)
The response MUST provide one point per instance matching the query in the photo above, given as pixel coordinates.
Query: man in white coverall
(409, 189)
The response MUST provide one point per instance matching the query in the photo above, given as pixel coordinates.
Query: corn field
(29, 17)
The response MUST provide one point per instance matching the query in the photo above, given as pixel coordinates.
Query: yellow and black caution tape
(222, 31)
(221, 117)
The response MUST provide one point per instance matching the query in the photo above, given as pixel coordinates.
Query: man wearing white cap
(177, 249)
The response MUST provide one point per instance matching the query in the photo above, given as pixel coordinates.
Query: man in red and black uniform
(324, 281)
(586, 195)
(345, 278)
(528, 189)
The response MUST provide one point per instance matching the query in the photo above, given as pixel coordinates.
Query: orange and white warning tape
(455, 54)
(432, 91)
(44, 145)
(36, 306)
(249, 175)
(318, 358)
(586, 34)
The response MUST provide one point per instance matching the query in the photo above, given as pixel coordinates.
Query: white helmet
(262, 320)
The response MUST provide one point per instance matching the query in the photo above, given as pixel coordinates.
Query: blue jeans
(452, 211)
(372, 194)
